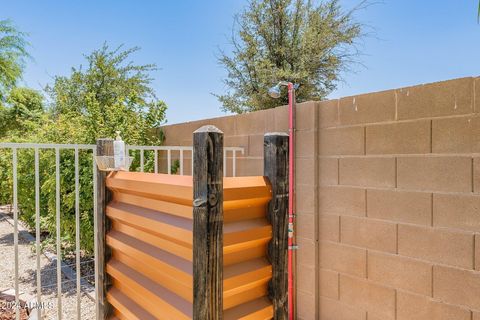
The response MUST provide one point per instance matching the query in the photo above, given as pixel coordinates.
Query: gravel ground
(28, 282)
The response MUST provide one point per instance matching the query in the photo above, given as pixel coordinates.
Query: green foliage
(175, 168)
(291, 40)
(111, 94)
(23, 106)
(12, 54)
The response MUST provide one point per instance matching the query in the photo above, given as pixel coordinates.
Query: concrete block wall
(399, 204)
(387, 200)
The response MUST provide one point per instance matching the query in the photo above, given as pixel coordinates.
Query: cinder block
(250, 123)
(305, 198)
(306, 279)
(236, 141)
(328, 283)
(368, 108)
(306, 252)
(305, 143)
(329, 227)
(401, 206)
(456, 135)
(399, 138)
(342, 200)
(368, 296)
(436, 245)
(371, 172)
(416, 307)
(255, 145)
(457, 211)
(400, 272)
(451, 174)
(328, 113)
(270, 120)
(305, 171)
(305, 115)
(178, 133)
(444, 98)
(335, 310)
(342, 258)
(280, 119)
(328, 171)
(342, 141)
(249, 167)
(305, 224)
(456, 286)
(372, 316)
(305, 304)
(225, 124)
(368, 233)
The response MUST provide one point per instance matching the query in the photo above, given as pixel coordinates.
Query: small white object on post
(118, 160)
(119, 153)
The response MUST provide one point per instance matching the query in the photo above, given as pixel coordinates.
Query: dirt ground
(28, 279)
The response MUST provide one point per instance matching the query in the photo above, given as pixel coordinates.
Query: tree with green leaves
(12, 55)
(21, 106)
(292, 40)
(110, 93)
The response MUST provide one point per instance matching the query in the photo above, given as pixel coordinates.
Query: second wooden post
(208, 224)
(276, 169)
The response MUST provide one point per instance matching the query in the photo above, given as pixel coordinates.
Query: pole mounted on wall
(208, 224)
(275, 92)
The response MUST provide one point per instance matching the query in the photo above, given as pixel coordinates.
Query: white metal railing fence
(230, 153)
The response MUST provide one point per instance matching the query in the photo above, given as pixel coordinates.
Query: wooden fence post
(104, 148)
(276, 169)
(207, 224)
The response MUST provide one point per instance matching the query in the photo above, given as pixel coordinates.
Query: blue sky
(414, 42)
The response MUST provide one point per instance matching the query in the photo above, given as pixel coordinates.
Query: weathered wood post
(276, 169)
(208, 224)
(104, 148)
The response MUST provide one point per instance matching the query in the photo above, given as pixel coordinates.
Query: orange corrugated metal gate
(199, 247)
(151, 241)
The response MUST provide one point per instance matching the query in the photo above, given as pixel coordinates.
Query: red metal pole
(291, 198)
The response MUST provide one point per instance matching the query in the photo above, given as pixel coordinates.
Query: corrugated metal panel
(151, 240)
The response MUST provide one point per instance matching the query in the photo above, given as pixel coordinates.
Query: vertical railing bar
(156, 161)
(169, 161)
(77, 234)
(58, 229)
(224, 162)
(141, 159)
(15, 230)
(181, 162)
(37, 232)
(95, 230)
(192, 161)
(234, 163)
